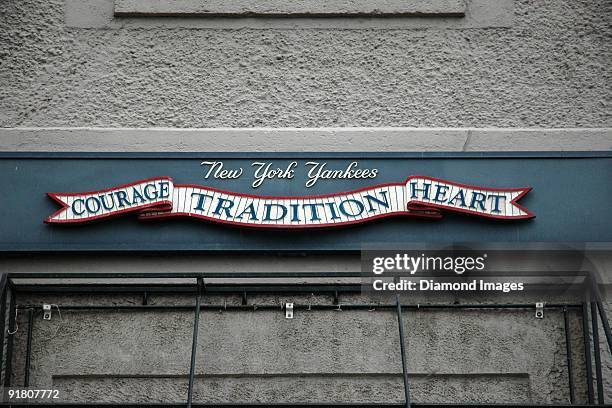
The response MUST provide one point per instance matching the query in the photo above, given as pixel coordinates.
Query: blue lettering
(221, 205)
(460, 195)
(359, 205)
(150, 195)
(74, 209)
(164, 189)
(332, 209)
(249, 209)
(268, 207)
(478, 198)
(122, 198)
(371, 199)
(103, 197)
(314, 214)
(200, 204)
(89, 208)
(441, 191)
(137, 197)
(294, 212)
(495, 200)
(424, 190)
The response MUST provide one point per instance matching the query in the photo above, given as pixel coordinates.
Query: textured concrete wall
(548, 68)
(519, 64)
(348, 356)
(475, 355)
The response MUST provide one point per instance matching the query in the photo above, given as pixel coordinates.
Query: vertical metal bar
(26, 378)
(3, 294)
(600, 393)
(602, 313)
(587, 352)
(568, 350)
(403, 350)
(11, 328)
(605, 323)
(194, 343)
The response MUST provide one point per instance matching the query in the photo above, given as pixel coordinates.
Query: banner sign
(418, 197)
(299, 202)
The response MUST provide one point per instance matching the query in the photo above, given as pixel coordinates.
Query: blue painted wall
(571, 197)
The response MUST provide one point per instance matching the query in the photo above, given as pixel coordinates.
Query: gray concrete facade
(548, 67)
(349, 356)
(501, 75)
(394, 139)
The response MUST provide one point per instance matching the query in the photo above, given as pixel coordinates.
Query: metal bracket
(539, 314)
(288, 310)
(46, 312)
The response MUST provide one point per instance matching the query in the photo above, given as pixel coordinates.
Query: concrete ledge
(104, 14)
(237, 8)
(304, 139)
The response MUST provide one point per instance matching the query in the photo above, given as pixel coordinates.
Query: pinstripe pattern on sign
(253, 211)
(419, 196)
(147, 194)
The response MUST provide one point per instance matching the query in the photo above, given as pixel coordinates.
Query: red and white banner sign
(418, 196)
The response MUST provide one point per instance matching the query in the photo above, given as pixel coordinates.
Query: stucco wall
(320, 356)
(548, 67)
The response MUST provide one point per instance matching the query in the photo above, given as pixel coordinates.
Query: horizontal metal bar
(366, 306)
(180, 275)
(299, 289)
(187, 288)
(272, 274)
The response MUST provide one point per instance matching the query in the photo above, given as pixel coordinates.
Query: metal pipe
(26, 378)
(194, 344)
(270, 274)
(187, 287)
(606, 324)
(3, 294)
(304, 306)
(602, 313)
(600, 393)
(568, 351)
(9, 345)
(193, 275)
(403, 351)
(587, 352)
